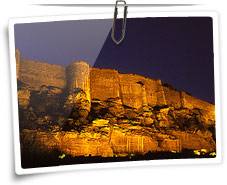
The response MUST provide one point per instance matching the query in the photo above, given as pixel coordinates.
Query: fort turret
(18, 58)
(78, 78)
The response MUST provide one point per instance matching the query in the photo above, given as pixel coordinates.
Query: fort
(84, 111)
(133, 90)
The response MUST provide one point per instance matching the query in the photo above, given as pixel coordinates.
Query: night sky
(177, 50)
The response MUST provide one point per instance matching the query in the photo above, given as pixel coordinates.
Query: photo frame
(17, 144)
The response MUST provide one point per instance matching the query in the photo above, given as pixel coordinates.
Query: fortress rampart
(36, 74)
(133, 90)
(104, 84)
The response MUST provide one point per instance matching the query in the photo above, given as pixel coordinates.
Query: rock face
(107, 140)
(88, 143)
(24, 98)
(84, 111)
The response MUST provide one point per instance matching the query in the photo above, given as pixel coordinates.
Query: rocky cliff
(85, 111)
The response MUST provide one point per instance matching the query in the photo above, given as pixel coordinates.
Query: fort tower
(78, 78)
(18, 58)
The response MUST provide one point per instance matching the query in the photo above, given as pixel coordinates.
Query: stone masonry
(133, 90)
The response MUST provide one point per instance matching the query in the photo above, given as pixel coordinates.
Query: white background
(178, 174)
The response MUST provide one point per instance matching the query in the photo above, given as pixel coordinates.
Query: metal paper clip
(123, 22)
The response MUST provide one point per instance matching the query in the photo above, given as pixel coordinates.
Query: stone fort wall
(104, 84)
(36, 74)
(133, 90)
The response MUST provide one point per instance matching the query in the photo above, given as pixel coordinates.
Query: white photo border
(17, 155)
(112, 2)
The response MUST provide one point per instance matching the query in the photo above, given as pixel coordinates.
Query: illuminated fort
(133, 90)
(131, 95)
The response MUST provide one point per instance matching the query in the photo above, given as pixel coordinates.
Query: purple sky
(176, 50)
